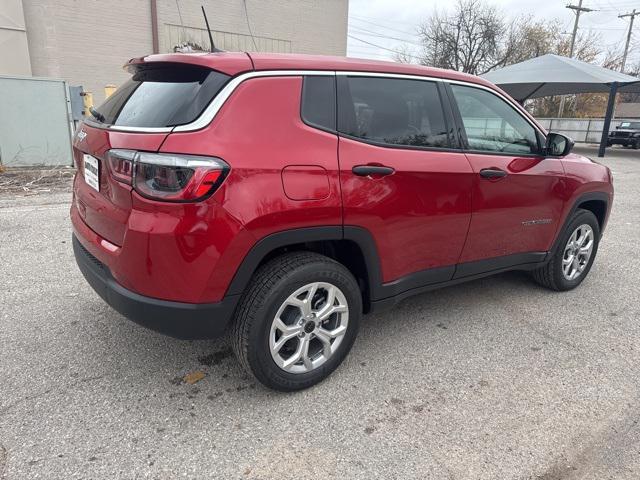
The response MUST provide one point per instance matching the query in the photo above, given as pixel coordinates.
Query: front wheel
(297, 320)
(572, 259)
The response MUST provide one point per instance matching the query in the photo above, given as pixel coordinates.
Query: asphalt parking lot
(495, 379)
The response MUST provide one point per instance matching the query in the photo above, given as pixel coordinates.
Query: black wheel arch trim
(263, 247)
(377, 289)
(268, 244)
(581, 199)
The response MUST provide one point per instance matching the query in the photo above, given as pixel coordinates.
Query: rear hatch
(137, 117)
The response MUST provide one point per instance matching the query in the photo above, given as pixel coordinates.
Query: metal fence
(35, 122)
(581, 130)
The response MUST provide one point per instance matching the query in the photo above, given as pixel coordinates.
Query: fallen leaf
(193, 377)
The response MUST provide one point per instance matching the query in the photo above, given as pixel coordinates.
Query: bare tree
(475, 38)
(405, 54)
(468, 39)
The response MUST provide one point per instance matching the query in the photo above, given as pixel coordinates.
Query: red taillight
(210, 179)
(121, 164)
(169, 177)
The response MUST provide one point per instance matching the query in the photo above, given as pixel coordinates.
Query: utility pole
(626, 47)
(578, 9)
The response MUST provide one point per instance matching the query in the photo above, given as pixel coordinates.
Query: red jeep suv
(281, 197)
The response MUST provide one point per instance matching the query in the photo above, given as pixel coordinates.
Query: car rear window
(162, 96)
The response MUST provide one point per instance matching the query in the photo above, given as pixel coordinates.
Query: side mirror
(558, 145)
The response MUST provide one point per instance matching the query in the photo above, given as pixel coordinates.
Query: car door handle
(369, 170)
(492, 173)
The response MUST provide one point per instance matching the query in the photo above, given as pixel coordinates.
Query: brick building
(87, 41)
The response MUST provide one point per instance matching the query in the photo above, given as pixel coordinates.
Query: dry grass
(33, 181)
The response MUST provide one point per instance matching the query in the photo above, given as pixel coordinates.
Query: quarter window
(319, 101)
(491, 124)
(392, 111)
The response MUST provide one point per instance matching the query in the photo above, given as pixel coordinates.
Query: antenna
(212, 47)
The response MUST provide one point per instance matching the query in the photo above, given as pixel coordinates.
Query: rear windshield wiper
(96, 114)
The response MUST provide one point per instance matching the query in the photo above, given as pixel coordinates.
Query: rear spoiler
(230, 63)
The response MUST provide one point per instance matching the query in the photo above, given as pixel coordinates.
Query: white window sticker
(91, 175)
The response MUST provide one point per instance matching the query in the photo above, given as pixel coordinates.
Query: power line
(180, 16)
(375, 24)
(378, 32)
(246, 16)
(381, 47)
(373, 34)
(372, 44)
(365, 17)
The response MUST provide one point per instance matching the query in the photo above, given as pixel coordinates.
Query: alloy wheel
(308, 327)
(577, 252)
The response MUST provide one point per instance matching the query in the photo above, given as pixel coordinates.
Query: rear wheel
(297, 320)
(572, 260)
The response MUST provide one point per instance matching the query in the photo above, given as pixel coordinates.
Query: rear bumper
(176, 319)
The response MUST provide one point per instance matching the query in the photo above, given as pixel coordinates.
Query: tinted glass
(162, 97)
(319, 101)
(631, 125)
(392, 111)
(491, 124)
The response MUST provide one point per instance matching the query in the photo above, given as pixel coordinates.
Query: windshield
(162, 96)
(631, 125)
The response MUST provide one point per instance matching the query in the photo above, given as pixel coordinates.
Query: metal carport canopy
(555, 75)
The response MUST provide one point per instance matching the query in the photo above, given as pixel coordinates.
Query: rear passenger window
(319, 102)
(392, 111)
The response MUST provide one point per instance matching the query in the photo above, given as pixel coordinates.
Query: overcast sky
(376, 21)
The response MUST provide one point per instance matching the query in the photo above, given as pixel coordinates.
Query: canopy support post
(607, 119)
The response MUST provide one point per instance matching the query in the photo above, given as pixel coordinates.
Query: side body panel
(259, 133)
(418, 216)
(586, 180)
(517, 213)
(190, 252)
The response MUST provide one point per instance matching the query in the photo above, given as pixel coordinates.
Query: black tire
(271, 285)
(636, 145)
(551, 275)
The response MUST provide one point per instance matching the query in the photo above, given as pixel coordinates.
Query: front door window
(492, 125)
